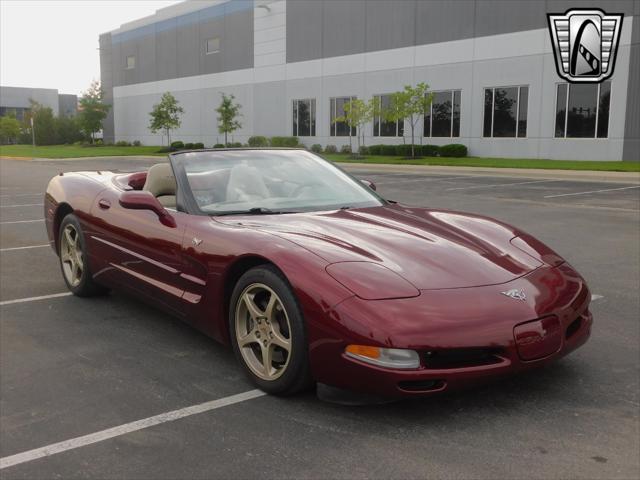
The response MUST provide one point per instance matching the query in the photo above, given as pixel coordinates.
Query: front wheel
(268, 332)
(74, 262)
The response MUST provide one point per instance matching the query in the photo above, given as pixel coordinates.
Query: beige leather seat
(162, 184)
(245, 184)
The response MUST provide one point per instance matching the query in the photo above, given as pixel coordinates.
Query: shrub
(137, 143)
(98, 142)
(375, 149)
(122, 143)
(453, 150)
(363, 150)
(316, 148)
(388, 150)
(165, 150)
(218, 145)
(258, 141)
(430, 150)
(405, 150)
(235, 145)
(188, 146)
(284, 142)
(198, 146)
(177, 145)
(330, 149)
(345, 149)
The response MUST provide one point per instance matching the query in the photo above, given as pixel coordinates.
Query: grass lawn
(72, 151)
(494, 162)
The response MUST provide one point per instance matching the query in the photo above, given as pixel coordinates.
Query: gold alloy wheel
(263, 331)
(71, 255)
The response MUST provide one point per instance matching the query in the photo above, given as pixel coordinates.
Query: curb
(575, 175)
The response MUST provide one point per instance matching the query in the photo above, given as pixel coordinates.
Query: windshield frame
(190, 205)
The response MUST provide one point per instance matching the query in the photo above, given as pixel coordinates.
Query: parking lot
(72, 367)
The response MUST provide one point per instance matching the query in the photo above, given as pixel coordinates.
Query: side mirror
(141, 200)
(369, 184)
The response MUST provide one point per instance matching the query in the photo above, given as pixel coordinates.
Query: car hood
(432, 249)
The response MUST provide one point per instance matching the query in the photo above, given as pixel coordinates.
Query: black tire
(80, 283)
(295, 375)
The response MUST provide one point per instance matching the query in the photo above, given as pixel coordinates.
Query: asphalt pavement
(101, 374)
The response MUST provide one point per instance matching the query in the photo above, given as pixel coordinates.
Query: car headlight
(384, 357)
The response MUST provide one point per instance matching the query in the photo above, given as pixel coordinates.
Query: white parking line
(23, 205)
(34, 299)
(427, 179)
(126, 428)
(22, 221)
(22, 195)
(501, 185)
(595, 297)
(23, 248)
(592, 191)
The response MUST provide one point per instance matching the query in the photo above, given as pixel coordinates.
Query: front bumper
(464, 336)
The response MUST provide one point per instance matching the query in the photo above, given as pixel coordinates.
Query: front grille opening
(421, 385)
(461, 357)
(573, 328)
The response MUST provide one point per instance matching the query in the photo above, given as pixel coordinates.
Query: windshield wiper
(255, 211)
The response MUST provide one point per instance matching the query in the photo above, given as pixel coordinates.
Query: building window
(131, 62)
(443, 119)
(336, 109)
(304, 118)
(212, 45)
(505, 112)
(382, 127)
(588, 107)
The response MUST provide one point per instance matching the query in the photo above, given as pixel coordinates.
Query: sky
(54, 43)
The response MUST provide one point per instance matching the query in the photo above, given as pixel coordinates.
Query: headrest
(160, 180)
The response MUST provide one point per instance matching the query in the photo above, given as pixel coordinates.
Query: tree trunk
(226, 144)
(168, 138)
(413, 153)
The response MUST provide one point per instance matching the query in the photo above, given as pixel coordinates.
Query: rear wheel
(268, 332)
(74, 261)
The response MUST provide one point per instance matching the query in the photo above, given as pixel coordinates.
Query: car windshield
(269, 181)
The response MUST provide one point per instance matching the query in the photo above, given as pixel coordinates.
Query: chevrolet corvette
(312, 277)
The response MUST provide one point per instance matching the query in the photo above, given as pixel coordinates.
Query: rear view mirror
(369, 184)
(142, 200)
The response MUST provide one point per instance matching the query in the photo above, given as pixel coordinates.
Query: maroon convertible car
(311, 276)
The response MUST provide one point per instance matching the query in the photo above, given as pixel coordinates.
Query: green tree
(357, 113)
(228, 114)
(92, 110)
(43, 123)
(411, 103)
(67, 130)
(9, 129)
(166, 115)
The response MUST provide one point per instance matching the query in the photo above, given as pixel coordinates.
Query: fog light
(385, 357)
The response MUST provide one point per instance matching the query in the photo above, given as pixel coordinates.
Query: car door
(144, 254)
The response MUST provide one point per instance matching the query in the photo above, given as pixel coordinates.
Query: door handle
(104, 204)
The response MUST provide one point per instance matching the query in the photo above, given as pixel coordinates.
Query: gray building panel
(106, 82)
(343, 28)
(67, 105)
(167, 54)
(390, 24)
(236, 46)
(188, 51)
(304, 37)
(443, 20)
(631, 148)
(494, 17)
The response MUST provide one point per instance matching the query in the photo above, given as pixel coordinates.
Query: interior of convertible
(243, 180)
